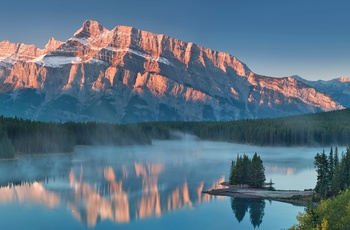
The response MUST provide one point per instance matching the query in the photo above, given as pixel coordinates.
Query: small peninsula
(247, 180)
(294, 197)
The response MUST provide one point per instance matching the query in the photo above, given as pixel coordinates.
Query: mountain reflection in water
(138, 193)
(135, 187)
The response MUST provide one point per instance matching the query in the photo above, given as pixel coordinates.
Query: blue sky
(310, 38)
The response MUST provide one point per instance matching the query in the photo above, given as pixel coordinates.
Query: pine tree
(239, 172)
(257, 172)
(330, 165)
(321, 165)
(246, 175)
(232, 173)
(336, 180)
(346, 168)
(336, 158)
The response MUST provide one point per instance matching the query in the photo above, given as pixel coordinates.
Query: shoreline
(295, 197)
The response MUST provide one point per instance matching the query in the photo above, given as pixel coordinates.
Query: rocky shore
(294, 197)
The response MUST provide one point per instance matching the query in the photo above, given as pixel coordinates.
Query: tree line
(25, 136)
(325, 129)
(333, 181)
(19, 136)
(333, 174)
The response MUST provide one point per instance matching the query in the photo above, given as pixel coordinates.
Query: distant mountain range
(338, 89)
(126, 75)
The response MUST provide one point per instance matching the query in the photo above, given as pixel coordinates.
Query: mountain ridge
(126, 75)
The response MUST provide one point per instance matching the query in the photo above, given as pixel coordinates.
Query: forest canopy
(246, 171)
(324, 129)
(333, 179)
(25, 136)
(18, 136)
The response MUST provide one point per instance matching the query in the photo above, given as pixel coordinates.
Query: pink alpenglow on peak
(126, 75)
(344, 79)
(52, 45)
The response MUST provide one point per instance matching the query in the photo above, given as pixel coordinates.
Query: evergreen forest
(322, 129)
(18, 136)
(246, 171)
(332, 187)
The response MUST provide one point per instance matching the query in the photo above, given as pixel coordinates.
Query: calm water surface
(148, 187)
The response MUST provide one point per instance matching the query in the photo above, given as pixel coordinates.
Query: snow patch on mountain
(123, 75)
(8, 61)
(82, 41)
(97, 61)
(140, 54)
(56, 61)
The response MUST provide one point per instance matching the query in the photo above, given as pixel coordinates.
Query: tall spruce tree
(321, 165)
(346, 168)
(232, 173)
(330, 165)
(257, 172)
(333, 175)
(238, 172)
(246, 175)
(336, 158)
(336, 179)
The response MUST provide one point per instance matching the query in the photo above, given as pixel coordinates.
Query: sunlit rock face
(126, 75)
(338, 88)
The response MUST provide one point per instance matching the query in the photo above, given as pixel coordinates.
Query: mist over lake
(156, 186)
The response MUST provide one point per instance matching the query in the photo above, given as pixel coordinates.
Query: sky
(309, 38)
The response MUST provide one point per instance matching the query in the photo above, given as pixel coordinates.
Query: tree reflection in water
(256, 209)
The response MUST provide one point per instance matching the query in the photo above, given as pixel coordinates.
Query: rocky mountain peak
(92, 29)
(7, 48)
(5, 43)
(10, 53)
(52, 45)
(129, 75)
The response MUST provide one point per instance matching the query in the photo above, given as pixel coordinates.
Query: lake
(149, 187)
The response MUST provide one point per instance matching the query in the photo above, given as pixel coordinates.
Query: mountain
(126, 75)
(338, 89)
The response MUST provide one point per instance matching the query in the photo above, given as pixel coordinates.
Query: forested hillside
(330, 128)
(24, 136)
